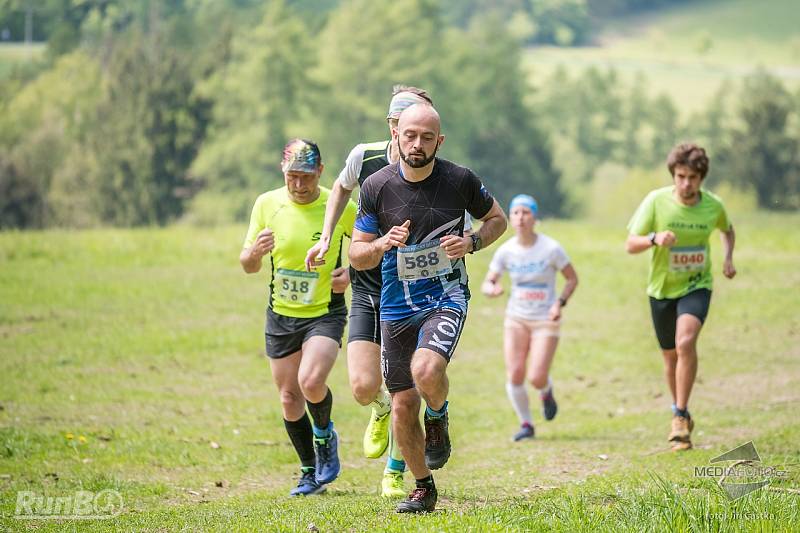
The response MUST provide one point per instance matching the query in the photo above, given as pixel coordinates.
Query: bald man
(364, 337)
(411, 223)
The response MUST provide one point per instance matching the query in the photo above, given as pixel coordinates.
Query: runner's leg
(408, 431)
(543, 350)
(516, 345)
(688, 330)
(319, 355)
(295, 419)
(670, 366)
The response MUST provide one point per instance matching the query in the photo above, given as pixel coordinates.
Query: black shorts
(285, 335)
(365, 318)
(437, 330)
(665, 314)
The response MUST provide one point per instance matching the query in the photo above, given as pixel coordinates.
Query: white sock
(382, 403)
(546, 388)
(518, 395)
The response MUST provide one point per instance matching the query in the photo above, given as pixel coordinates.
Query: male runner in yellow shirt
(306, 312)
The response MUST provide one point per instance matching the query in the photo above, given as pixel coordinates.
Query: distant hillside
(688, 50)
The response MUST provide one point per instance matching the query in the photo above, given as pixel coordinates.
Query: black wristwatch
(652, 237)
(476, 242)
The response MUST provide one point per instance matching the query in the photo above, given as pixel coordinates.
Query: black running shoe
(437, 442)
(549, 405)
(421, 500)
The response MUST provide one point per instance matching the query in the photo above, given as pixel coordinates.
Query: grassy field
(12, 54)
(689, 50)
(132, 360)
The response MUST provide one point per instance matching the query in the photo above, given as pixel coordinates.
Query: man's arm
(639, 243)
(250, 258)
(366, 249)
(337, 201)
(728, 242)
(494, 225)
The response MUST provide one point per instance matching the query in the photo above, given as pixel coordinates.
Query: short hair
(689, 155)
(422, 93)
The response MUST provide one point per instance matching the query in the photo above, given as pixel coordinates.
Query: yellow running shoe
(376, 437)
(392, 485)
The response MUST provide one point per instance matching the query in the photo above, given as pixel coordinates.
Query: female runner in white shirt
(533, 314)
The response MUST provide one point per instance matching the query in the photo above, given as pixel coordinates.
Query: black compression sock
(302, 439)
(426, 482)
(321, 412)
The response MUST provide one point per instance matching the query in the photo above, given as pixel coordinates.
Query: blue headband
(525, 201)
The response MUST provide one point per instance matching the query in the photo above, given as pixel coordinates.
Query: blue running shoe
(327, 458)
(526, 431)
(307, 486)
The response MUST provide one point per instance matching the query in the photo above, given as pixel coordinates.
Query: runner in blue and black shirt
(411, 222)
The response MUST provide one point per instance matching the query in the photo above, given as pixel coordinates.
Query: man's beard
(417, 163)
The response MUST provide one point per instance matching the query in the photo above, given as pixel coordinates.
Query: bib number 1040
(687, 259)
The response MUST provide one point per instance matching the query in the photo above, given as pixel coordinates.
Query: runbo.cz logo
(740, 471)
(81, 505)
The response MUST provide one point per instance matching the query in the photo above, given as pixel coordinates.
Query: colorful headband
(525, 201)
(402, 101)
(301, 156)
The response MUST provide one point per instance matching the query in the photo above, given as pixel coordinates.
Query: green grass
(13, 54)
(148, 344)
(666, 46)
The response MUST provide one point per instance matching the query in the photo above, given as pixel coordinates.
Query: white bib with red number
(690, 259)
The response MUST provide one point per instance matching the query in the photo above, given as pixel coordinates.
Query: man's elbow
(355, 259)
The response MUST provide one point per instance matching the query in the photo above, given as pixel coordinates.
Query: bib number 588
(421, 261)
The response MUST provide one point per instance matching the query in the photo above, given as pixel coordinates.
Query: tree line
(145, 112)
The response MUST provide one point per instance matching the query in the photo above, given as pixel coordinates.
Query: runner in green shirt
(306, 313)
(676, 222)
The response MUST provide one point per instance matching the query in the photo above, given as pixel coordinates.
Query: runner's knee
(312, 384)
(426, 371)
(291, 400)
(364, 388)
(516, 375)
(405, 407)
(539, 379)
(685, 345)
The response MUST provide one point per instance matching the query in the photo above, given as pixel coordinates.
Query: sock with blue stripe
(431, 413)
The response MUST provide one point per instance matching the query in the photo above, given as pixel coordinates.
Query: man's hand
(456, 247)
(728, 269)
(491, 289)
(315, 257)
(397, 236)
(340, 279)
(265, 242)
(665, 238)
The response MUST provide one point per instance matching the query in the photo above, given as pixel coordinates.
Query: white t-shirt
(349, 174)
(533, 272)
